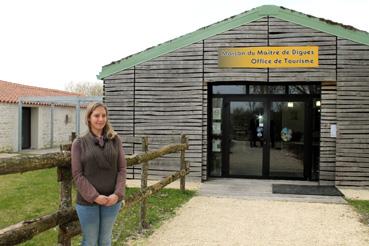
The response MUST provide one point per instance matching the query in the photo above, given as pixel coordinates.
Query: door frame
(267, 99)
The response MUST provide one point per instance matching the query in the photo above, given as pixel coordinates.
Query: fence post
(144, 176)
(65, 179)
(183, 162)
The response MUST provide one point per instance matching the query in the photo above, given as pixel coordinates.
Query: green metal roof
(336, 29)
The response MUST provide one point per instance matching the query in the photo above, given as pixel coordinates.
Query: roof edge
(180, 42)
(299, 18)
(324, 25)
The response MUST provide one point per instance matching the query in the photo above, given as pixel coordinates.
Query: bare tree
(85, 88)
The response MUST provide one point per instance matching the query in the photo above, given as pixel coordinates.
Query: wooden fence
(66, 217)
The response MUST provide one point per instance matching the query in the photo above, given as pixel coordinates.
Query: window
(229, 89)
(264, 89)
(303, 89)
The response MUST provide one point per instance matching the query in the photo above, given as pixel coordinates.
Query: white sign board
(333, 130)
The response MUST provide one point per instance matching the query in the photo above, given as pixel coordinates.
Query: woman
(99, 172)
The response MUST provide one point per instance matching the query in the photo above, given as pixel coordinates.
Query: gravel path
(228, 221)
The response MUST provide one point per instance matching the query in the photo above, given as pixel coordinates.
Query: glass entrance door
(264, 138)
(287, 135)
(245, 141)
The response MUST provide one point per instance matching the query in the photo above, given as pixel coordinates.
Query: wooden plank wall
(283, 33)
(119, 97)
(165, 99)
(204, 161)
(327, 165)
(252, 34)
(352, 161)
(168, 102)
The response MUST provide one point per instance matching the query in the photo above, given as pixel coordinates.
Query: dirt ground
(228, 221)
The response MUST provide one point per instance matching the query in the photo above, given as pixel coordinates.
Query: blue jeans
(97, 223)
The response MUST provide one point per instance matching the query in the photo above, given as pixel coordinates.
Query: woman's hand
(102, 200)
(112, 199)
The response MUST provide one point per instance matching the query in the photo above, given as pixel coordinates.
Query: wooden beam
(27, 229)
(133, 160)
(31, 163)
(139, 196)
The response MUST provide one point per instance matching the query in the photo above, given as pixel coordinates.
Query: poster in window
(216, 128)
(217, 113)
(216, 145)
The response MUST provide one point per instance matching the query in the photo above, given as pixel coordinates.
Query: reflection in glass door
(287, 124)
(246, 138)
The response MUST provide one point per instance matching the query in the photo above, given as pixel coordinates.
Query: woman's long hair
(108, 129)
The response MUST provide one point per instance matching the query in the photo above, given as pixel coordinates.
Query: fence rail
(66, 217)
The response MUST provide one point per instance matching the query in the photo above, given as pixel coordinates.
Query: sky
(49, 43)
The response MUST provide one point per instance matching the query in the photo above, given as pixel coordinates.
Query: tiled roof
(10, 92)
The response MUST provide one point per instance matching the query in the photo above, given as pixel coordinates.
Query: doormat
(321, 190)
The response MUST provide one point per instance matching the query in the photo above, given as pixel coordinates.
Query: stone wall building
(36, 118)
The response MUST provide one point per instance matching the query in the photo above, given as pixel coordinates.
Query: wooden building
(268, 93)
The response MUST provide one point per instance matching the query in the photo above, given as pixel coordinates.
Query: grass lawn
(33, 194)
(362, 206)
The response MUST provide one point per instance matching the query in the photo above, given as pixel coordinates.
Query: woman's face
(98, 119)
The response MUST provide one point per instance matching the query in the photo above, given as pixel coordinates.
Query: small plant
(362, 206)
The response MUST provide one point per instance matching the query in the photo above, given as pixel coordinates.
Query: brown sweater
(98, 168)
